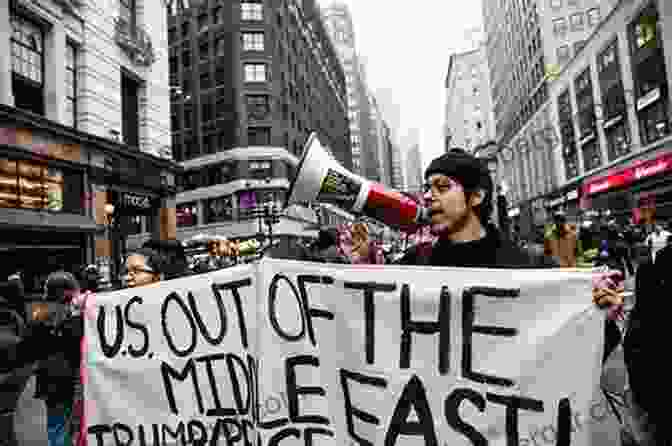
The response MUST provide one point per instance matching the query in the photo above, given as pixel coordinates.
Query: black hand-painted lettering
(218, 410)
(310, 432)
(513, 404)
(226, 424)
(98, 430)
(247, 428)
(451, 408)
(272, 313)
(234, 287)
(167, 372)
(136, 352)
(351, 411)
(174, 297)
(243, 409)
(202, 438)
(413, 396)
(143, 439)
(285, 433)
(110, 351)
(253, 383)
(178, 434)
(117, 430)
(469, 328)
(564, 437)
(302, 280)
(210, 339)
(442, 326)
(370, 312)
(293, 391)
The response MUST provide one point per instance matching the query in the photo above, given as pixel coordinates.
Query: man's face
(139, 273)
(450, 210)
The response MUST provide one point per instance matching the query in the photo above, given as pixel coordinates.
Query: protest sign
(287, 353)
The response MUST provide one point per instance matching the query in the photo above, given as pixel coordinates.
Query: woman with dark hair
(174, 256)
(144, 266)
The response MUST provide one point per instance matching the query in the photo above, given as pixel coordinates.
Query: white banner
(290, 353)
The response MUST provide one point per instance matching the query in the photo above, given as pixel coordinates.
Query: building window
(32, 185)
(560, 26)
(255, 72)
(70, 85)
(27, 65)
(607, 57)
(253, 11)
(130, 101)
(253, 41)
(258, 107)
(592, 159)
(618, 140)
(221, 173)
(556, 4)
(593, 16)
(259, 169)
(221, 48)
(575, 3)
(563, 54)
(576, 21)
(258, 136)
(219, 209)
(578, 46)
(187, 214)
(205, 80)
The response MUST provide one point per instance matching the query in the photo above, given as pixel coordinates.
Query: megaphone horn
(320, 178)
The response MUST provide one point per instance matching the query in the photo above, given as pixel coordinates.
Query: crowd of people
(458, 190)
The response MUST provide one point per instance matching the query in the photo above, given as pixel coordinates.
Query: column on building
(577, 129)
(629, 88)
(599, 111)
(6, 96)
(54, 79)
(165, 227)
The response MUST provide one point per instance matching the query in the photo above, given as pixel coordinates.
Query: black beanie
(471, 172)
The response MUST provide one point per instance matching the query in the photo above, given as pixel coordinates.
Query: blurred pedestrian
(58, 374)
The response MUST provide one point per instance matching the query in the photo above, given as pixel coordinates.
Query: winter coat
(492, 251)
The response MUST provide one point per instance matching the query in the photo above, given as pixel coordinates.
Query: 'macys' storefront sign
(630, 175)
(136, 202)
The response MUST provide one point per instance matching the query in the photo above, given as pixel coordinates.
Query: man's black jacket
(492, 251)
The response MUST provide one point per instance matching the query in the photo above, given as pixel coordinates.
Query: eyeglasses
(440, 186)
(137, 270)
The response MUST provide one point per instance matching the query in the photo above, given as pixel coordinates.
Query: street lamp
(112, 222)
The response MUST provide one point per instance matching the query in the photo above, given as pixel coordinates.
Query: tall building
(524, 42)
(85, 134)
(338, 22)
(414, 171)
(381, 132)
(251, 80)
(391, 113)
(607, 127)
(469, 115)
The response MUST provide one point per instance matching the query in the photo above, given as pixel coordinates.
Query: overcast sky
(406, 46)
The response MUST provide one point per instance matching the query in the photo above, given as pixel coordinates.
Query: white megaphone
(320, 178)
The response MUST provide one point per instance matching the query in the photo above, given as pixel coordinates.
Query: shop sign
(129, 200)
(648, 99)
(572, 195)
(556, 202)
(630, 175)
